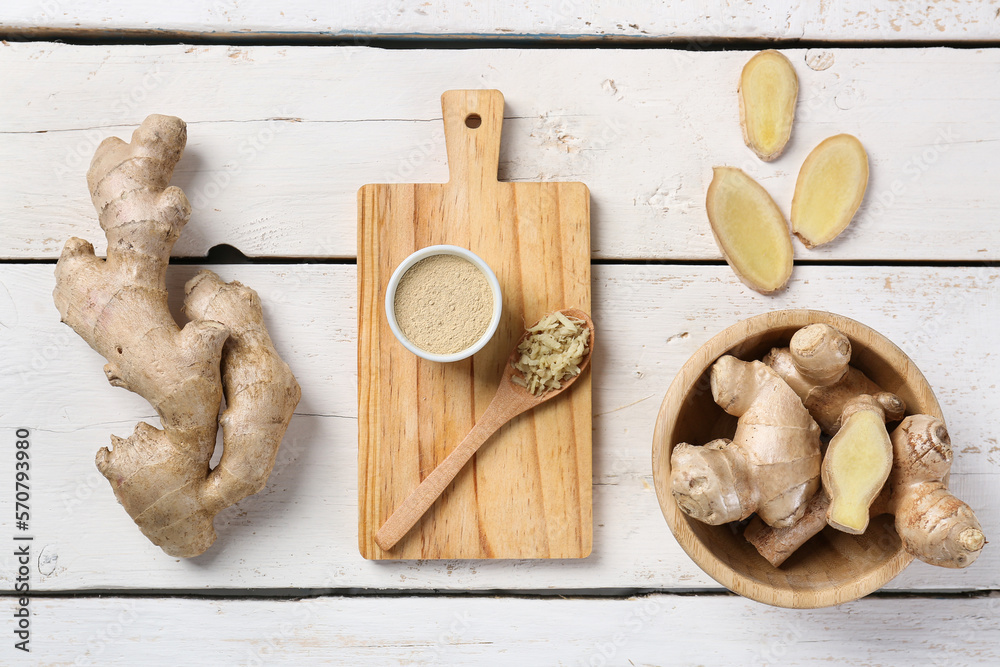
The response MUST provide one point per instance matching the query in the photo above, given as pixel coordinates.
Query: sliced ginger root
(933, 524)
(856, 465)
(750, 230)
(772, 464)
(119, 307)
(829, 189)
(768, 91)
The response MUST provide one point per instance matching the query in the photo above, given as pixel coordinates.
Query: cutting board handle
(472, 123)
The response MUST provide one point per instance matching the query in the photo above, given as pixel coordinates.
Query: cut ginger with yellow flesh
(829, 189)
(856, 466)
(768, 91)
(750, 230)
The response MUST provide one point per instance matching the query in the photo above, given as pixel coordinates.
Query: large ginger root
(856, 464)
(816, 366)
(933, 524)
(772, 464)
(750, 230)
(829, 189)
(768, 91)
(119, 306)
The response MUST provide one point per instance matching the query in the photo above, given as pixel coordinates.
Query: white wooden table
(290, 111)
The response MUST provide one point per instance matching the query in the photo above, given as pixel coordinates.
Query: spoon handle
(498, 413)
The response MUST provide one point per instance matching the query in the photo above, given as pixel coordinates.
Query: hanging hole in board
(473, 120)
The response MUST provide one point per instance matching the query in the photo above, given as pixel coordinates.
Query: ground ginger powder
(443, 304)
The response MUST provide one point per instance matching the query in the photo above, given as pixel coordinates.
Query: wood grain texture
(527, 493)
(301, 531)
(281, 138)
(647, 630)
(359, 21)
(510, 401)
(833, 569)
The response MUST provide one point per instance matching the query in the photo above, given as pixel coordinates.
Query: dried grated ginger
(551, 353)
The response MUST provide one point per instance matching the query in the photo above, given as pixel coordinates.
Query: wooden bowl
(831, 568)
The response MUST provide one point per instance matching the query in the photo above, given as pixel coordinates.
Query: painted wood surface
(528, 494)
(301, 531)
(358, 20)
(281, 138)
(649, 630)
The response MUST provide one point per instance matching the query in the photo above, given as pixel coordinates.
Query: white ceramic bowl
(424, 253)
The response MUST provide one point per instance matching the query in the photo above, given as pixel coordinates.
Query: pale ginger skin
(725, 480)
(777, 544)
(932, 523)
(856, 464)
(119, 306)
(816, 365)
(260, 390)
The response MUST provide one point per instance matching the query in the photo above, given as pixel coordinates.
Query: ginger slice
(750, 230)
(857, 464)
(829, 189)
(768, 91)
(933, 524)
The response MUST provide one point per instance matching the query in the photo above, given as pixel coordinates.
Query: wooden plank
(648, 630)
(854, 20)
(527, 494)
(301, 530)
(281, 138)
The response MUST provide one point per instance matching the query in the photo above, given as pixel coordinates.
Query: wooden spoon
(510, 400)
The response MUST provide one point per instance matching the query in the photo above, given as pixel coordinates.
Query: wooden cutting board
(527, 492)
